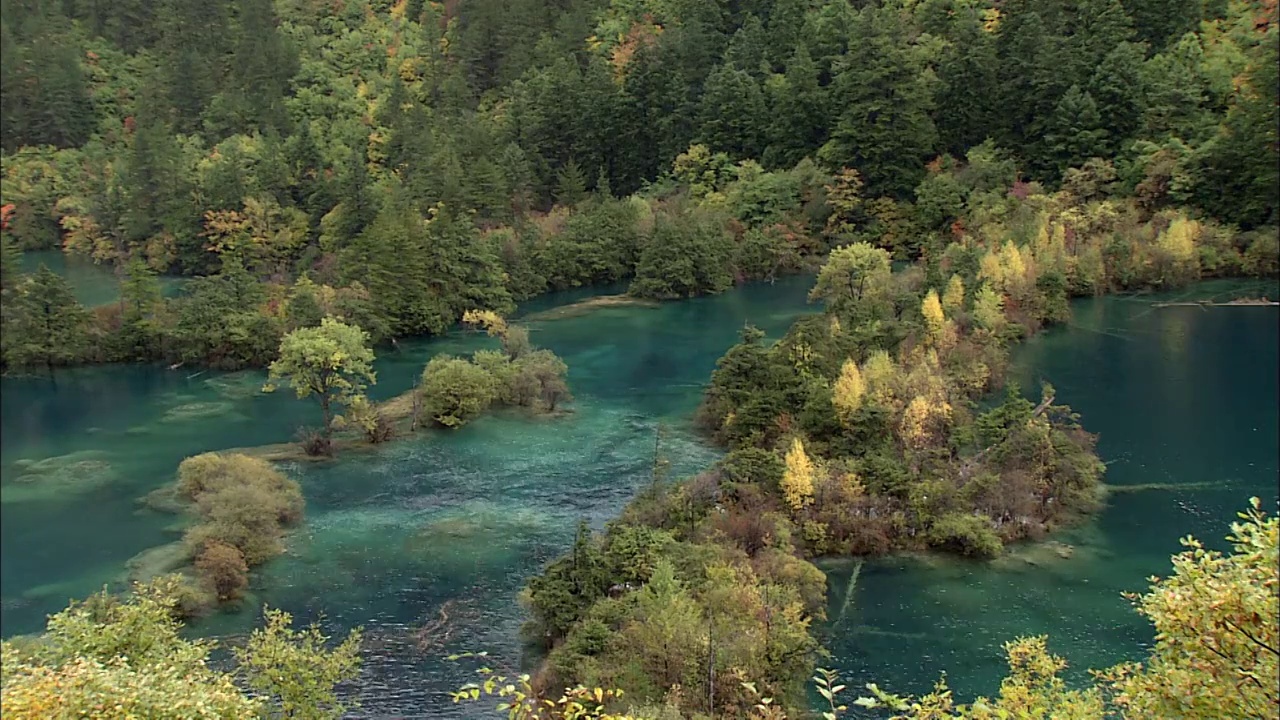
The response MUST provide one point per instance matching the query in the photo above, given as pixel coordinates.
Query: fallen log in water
(1238, 302)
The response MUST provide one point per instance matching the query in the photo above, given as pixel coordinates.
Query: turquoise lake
(455, 522)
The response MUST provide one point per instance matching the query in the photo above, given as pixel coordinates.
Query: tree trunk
(328, 417)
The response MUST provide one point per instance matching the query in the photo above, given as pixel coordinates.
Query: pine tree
(1072, 134)
(48, 326)
(880, 88)
(968, 86)
(1161, 22)
(731, 111)
(571, 184)
(1240, 167)
(1117, 88)
(796, 107)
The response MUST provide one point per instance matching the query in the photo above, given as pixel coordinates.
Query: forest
(394, 165)
(327, 176)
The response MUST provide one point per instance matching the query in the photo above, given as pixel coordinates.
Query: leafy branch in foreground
(521, 702)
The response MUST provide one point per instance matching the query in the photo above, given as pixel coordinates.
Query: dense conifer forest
(331, 175)
(396, 164)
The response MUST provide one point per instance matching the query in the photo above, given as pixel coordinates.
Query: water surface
(449, 525)
(1179, 396)
(443, 525)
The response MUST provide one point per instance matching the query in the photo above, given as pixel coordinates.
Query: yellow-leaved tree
(878, 373)
(848, 392)
(922, 420)
(935, 321)
(797, 481)
(1217, 633)
(953, 296)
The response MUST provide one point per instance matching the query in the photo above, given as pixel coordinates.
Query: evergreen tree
(48, 326)
(140, 298)
(1073, 133)
(1159, 23)
(260, 67)
(1030, 84)
(796, 109)
(1116, 87)
(1239, 169)
(731, 113)
(571, 184)
(880, 88)
(968, 85)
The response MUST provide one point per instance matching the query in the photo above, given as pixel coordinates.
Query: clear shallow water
(458, 521)
(448, 517)
(1178, 395)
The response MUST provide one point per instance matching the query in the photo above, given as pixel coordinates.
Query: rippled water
(448, 526)
(446, 521)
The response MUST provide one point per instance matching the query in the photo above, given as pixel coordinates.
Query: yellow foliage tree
(1177, 246)
(934, 320)
(1217, 620)
(1015, 266)
(848, 392)
(1179, 239)
(953, 297)
(878, 373)
(491, 321)
(797, 481)
(988, 309)
(921, 418)
(991, 269)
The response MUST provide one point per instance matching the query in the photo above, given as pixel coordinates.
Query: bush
(313, 442)
(211, 472)
(967, 534)
(455, 391)
(370, 419)
(224, 566)
(243, 503)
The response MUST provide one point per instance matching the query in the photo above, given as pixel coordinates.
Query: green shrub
(965, 533)
(455, 391)
(225, 568)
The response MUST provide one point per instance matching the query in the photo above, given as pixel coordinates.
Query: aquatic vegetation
(241, 507)
(455, 391)
(196, 411)
(154, 562)
(236, 386)
(51, 478)
(582, 307)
